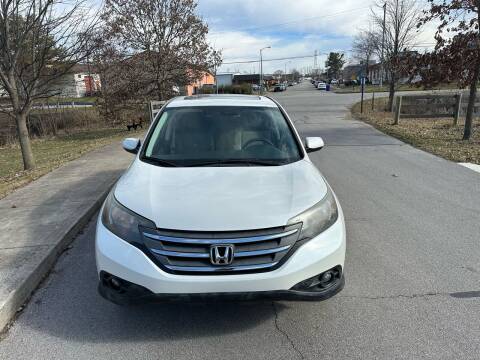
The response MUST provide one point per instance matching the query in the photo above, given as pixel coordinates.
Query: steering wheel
(251, 141)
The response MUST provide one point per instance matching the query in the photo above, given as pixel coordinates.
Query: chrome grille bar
(260, 252)
(206, 256)
(181, 254)
(244, 240)
(211, 269)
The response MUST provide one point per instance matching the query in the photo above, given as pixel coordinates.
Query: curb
(22, 293)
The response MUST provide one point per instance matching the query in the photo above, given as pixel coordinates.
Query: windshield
(227, 136)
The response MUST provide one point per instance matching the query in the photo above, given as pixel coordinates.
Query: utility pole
(383, 43)
(261, 69)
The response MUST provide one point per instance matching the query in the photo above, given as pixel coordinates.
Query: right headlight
(318, 218)
(123, 222)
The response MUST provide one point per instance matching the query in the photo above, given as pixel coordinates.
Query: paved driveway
(412, 270)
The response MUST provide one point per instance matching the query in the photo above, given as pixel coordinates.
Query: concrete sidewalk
(39, 221)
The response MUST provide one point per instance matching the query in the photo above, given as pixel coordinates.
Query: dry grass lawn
(437, 136)
(50, 154)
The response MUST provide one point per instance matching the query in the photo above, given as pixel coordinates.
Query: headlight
(318, 218)
(123, 222)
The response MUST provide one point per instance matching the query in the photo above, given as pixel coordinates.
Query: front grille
(189, 252)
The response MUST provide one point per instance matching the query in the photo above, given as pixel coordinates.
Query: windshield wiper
(160, 162)
(248, 162)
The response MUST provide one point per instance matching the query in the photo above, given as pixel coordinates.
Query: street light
(261, 68)
(288, 62)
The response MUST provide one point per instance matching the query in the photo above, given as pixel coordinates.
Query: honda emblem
(221, 254)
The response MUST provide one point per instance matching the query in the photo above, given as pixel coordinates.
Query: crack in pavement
(284, 333)
(457, 295)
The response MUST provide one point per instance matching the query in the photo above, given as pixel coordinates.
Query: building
(353, 72)
(253, 79)
(81, 80)
(205, 79)
(374, 74)
(357, 71)
(225, 79)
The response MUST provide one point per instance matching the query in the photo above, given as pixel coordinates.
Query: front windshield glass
(228, 136)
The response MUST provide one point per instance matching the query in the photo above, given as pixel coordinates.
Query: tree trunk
(467, 133)
(25, 146)
(391, 91)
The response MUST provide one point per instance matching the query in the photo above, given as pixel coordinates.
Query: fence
(52, 119)
(433, 106)
(155, 107)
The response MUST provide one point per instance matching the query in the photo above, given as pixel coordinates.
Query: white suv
(221, 200)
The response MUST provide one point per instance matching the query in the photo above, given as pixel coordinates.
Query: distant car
(278, 87)
(334, 81)
(255, 87)
(322, 86)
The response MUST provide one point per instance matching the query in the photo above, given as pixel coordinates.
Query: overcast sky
(291, 27)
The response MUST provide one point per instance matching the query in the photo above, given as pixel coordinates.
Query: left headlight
(318, 218)
(123, 222)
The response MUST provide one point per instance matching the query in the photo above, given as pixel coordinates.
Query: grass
(437, 136)
(50, 154)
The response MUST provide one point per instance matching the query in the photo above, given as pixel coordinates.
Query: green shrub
(245, 89)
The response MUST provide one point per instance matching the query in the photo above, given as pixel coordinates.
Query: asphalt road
(412, 270)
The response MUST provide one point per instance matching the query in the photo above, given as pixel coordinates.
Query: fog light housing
(320, 282)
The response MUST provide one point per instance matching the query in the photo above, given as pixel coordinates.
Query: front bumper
(132, 294)
(326, 251)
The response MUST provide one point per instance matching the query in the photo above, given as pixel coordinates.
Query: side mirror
(313, 144)
(131, 145)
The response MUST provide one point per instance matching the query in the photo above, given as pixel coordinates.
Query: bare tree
(40, 41)
(168, 40)
(401, 19)
(278, 74)
(364, 47)
(216, 60)
(295, 75)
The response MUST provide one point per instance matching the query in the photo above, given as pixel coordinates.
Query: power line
(252, 60)
(215, 33)
(277, 59)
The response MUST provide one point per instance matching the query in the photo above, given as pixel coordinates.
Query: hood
(220, 198)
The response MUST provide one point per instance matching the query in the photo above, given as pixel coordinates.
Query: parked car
(221, 199)
(278, 87)
(350, 82)
(334, 81)
(322, 86)
(255, 87)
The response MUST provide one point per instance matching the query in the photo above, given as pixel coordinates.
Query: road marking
(474, 167)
